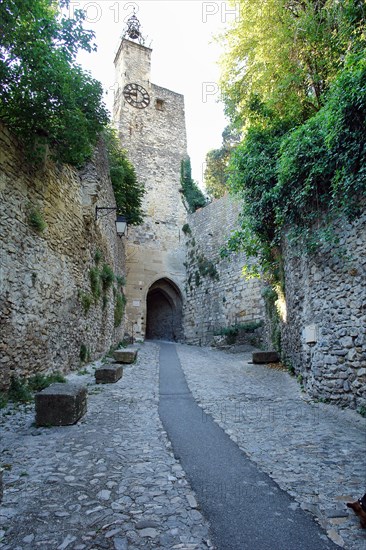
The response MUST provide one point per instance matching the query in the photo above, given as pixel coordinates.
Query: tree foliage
(46, 96)
(294, 178)
(191, 192)
(282, 55)
(216, 172)
(294, 80)
(128, 191)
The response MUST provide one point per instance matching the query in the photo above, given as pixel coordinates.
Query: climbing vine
(128, 192)
(101, 281)
(193, 195)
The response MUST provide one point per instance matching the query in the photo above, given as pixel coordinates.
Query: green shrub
(97, 256)
(302, 177)
(288, 364)
(107, 277)
(186, 229)
(19, 391)
(86, 301)
(232, 332)
(123, 344)
(36, 220)
(95, 287)
(39, 381)
(120, 280)
(119, 309)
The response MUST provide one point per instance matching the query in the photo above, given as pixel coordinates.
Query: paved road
(109, 482)
(314, 451)
(253, 513)
(112, 481)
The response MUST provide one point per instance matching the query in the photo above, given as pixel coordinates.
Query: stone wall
(218, 296)
(45, 275)
(324, 336)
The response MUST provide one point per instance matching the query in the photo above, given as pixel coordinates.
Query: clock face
(136, 96)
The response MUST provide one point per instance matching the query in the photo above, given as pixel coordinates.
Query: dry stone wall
(218, 297)
(44, 277)
(324, 336)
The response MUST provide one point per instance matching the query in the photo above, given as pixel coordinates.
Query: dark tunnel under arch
(164, 307)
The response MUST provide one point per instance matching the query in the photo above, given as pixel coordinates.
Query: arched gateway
(164, 311)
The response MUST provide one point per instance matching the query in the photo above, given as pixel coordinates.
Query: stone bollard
(127, 355)
(60, 404)
(108, 374)
(261, 357)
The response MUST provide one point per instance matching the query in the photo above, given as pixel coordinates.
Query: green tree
(321, 168)
(302, 178)
(46, 96)
(282, 56)
(294, 81)
(128, 191)
(216, 172)
(192, 193)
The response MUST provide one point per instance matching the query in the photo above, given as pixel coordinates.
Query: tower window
(159, 104)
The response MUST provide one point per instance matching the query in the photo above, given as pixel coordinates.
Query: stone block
(60, 405)
(108, 374)
(260, 357)
(1, 485)
(126, 355)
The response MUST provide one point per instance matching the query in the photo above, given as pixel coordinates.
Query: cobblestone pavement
(111, 481)
(315, 452)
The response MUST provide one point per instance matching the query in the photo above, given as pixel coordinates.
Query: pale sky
(184, 57)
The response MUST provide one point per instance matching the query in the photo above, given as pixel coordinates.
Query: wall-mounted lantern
(121, 221)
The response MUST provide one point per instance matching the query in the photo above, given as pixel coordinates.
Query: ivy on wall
(193, 195)
(102, 280)
(128, 191)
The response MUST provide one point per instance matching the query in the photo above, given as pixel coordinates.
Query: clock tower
(151, 124)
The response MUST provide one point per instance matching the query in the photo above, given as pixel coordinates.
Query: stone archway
(164, 311)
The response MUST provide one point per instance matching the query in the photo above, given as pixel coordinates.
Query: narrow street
(115, 480)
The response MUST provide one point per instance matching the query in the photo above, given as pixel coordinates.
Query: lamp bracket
(108, 208)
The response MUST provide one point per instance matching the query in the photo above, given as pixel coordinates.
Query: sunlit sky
(184, 58)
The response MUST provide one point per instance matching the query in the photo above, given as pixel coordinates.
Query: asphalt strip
(244, 506)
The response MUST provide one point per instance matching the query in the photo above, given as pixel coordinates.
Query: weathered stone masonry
(324, 336)
(221, 298)
(324, 333)
(43, 275)
(155, 138)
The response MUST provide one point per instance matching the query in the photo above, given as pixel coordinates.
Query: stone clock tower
(151, 124)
